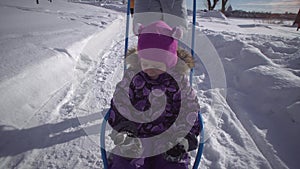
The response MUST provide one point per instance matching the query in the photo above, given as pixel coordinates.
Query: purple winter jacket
(148, 107)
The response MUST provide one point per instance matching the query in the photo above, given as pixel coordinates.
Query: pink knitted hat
(158, 42)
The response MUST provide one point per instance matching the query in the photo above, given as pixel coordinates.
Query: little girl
(154, 110)
(173, 12)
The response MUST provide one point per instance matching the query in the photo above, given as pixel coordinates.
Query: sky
(274, 6)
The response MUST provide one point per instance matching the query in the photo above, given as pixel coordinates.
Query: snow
(60, 63)
(263, 84)
(213, 14)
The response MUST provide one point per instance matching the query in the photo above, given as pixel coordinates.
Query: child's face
(152, 68)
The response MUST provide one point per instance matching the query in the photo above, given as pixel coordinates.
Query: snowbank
(54, 60)
(263, 85)
(213, 14)
(23, 95)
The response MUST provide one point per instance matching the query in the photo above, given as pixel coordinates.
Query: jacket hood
(184, 64)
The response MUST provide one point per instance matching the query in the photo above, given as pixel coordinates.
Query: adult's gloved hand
(177, 153)
(128, 144)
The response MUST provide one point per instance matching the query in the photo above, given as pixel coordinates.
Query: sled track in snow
(78, 111)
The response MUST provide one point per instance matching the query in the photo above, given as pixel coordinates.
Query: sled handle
(102, 140)
(201, 143)
(127, 33)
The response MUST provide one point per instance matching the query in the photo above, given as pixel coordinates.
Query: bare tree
(223, 8)
(211, 6)
(297, 20)
(214, 5)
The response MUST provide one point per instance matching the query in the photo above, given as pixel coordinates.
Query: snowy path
(72, 140)
(54, 137)
(79, 114)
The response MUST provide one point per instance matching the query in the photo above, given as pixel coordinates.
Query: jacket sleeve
(189, 109)
(116, 120)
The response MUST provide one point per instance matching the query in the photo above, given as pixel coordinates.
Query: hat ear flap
(177, 32)
(138, 29)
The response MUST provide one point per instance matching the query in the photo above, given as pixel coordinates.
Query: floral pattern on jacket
(148, 107)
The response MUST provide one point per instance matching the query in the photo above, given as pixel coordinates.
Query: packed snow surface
(60, 63)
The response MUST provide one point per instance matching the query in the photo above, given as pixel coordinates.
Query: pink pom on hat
(158, 42)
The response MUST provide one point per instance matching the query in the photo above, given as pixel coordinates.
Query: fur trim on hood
(184, 64)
